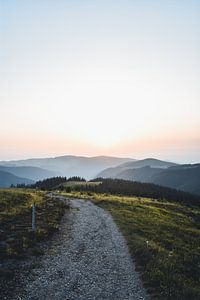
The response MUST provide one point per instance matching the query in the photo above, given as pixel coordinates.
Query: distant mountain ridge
(69, 165)
(29, 172)
(148, 162)
(181, 177)
(149, 170)
(151, 162)
(6, 179)
(143, 174)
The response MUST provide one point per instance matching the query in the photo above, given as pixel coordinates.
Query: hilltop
(68, 165)
(180, 177)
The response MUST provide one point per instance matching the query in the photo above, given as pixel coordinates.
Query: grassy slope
(73, 184)
(163, 237)
(15, 219)
(16, 237)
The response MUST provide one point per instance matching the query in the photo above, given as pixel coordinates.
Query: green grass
(73, 184)
(17, 238)
(17, 241)
(163, 238)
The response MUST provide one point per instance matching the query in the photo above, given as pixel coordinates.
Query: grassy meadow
(15, 219)
(17, 241)
(163, 238)
(74, 184)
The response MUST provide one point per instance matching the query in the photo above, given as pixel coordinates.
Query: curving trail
(88, 260)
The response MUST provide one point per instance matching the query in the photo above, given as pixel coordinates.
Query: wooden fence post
(33, 217)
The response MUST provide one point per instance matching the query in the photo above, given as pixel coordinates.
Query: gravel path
(88, 260)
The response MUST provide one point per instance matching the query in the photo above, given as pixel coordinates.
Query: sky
(91, 78)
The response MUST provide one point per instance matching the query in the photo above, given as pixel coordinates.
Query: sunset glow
(78, 79)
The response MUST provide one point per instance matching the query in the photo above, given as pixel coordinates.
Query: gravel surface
(89, 259)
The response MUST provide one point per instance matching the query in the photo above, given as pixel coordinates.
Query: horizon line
(95, 156)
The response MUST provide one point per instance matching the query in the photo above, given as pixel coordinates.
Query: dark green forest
(118, 187)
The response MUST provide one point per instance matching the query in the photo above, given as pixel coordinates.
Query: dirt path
(88, 260)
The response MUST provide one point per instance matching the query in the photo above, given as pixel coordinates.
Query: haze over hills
(87, 167)
(143, 174)
(29, 172)
(150, 170)
(185, 178)
(6, 179)
(151, 162)
(180, 177)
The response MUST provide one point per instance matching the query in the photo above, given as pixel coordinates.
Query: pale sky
(100, 78)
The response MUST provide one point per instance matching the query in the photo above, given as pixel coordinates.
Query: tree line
(51, 183)
(133, 188)
(118, 187)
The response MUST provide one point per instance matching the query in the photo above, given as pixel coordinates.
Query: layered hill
(7, 179)
(148, 162)
(87, 167)
(180, 177)
(33, 173)
(185, 178)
